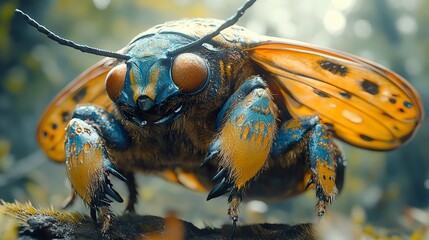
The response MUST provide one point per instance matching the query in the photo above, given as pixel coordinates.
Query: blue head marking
(149, 77)
(149, 93)
(149, 70)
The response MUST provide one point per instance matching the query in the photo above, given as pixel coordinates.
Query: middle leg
(307, 138)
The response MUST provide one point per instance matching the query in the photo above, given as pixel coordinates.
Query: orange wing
(88, 87)
(362, 103)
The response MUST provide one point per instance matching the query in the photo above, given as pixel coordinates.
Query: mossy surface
(36, 223)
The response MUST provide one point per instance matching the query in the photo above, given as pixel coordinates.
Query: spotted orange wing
(362, 103)
(88, 87)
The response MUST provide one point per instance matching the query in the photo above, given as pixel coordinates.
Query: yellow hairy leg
(247, 136)
(244, 141)
(84, 161)
(88, 167)
(245, 155)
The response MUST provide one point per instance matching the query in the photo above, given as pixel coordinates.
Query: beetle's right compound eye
(115, 81)
(189, 72)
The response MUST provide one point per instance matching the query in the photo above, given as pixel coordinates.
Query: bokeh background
(382, 190)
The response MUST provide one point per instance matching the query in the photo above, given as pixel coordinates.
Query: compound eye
(189, 72)
(115, 81)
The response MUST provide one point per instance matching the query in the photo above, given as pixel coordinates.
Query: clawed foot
(323, 180)
(222, 177)
(105, 187)
(104, 195)
(234, 199)
(225, 185)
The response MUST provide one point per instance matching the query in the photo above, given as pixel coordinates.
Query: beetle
(210, 105)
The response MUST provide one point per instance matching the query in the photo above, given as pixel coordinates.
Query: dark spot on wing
(321, 93)
(392, 100)
(366, 138)
(80, 95)
(346, 95)
(334, 68)
(370, 87)
(54, 126)
(401, 110)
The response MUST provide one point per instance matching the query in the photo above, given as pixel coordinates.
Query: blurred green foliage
(394, 33)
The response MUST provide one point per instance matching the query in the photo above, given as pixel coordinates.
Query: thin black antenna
(228, 23)
(69, 43)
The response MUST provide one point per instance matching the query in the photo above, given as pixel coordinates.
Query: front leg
(87, 161)
(247, 126)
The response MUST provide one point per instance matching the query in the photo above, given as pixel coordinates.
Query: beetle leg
(114, 135)
(247, 124)
(322, 156)
(234, 200)
(308, 136)
(132, 189)
(87, 160)
(70, 199)
(108, 216)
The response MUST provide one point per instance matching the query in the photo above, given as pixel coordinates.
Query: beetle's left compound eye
(189, 72)
(115, 81)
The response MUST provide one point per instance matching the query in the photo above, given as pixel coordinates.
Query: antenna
(69, 43)
(228, 23)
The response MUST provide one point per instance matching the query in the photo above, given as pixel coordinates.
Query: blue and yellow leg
(114, 135)
(309, 136)
(247, 126)
(87, 160)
